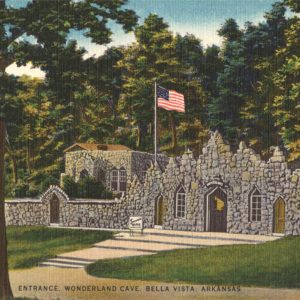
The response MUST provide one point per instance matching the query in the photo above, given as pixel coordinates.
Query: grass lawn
(29, 245)
(273, 264)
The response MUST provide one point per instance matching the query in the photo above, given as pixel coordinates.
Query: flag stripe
(162, 105)
(164, 102)
(170, 100)
(171, 107)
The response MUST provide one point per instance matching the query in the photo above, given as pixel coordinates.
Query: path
(60, 279)
(151, 242)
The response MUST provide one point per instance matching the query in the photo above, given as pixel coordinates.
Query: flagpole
(155, 125)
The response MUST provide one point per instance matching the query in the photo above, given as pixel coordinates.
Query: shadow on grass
(272, 264)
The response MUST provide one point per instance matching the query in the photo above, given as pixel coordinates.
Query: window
(180, 204)
(114, 180)
(83, 174)
(255, 206)
(118, 180)
(122, 180)
(144, 172)
(100, 175)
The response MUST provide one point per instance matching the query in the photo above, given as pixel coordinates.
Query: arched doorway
(54, 210)
(159, 211)
(216, 211)
(279, 216)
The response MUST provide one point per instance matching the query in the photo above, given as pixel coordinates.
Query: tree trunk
(142, 132)
(5, 288)
(28, 158)
(13, 161)
(174, 132)
(14, 168)
(139, 137)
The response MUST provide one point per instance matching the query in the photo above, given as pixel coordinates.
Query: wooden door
(279, 216)
(217, 211)
(159, 211)
(54, 210)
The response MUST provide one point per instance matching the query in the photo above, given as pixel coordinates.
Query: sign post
(135, 224)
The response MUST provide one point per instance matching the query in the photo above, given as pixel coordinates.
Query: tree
(45, 26)
(261, 43)
(285, 108)
(104, 78)
(5, 289)
(151, 58)
(175, 63)
(40, 33)
(224, 110)
(242, 105)
(50, 23)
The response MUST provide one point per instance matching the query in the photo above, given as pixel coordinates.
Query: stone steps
(65, 262)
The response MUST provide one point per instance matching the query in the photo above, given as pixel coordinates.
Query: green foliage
(86, 187)
(242, 107)
(174, 62)
(293, 4)
(70, 186)
(246, 265)
(248, 88)
(285, 105)
(44, 117)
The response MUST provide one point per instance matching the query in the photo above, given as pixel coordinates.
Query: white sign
(135, 223)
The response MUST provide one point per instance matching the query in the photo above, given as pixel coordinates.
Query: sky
(200, 17)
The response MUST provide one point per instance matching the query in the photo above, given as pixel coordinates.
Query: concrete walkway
(152, 241)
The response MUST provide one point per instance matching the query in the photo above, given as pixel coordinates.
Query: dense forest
(248, 88)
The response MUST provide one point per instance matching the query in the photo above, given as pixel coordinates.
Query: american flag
(169, 100)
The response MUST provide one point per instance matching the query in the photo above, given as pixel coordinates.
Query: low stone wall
(72, 213)
(26, 212)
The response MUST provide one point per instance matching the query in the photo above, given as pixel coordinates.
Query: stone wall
(237, 175)
(100, 162)
(94, 161)
(26, 212)
(72, 213)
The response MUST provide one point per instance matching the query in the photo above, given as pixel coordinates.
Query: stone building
(113, 165)
(218, 191)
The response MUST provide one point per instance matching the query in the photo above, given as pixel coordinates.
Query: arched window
(100, 175)
(83, 174)
(180, 204)
(114, 179)
(255, 205)
(122, 180)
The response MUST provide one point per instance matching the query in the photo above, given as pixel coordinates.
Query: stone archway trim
(54, 189)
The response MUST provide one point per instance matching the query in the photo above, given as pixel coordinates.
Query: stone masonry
(99, 164)
(216, 173)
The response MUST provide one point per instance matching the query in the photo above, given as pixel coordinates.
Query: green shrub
(86, 187)
(47, 181)
(70, 186)
(20, 189)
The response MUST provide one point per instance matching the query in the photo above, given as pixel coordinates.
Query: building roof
(93, 147)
